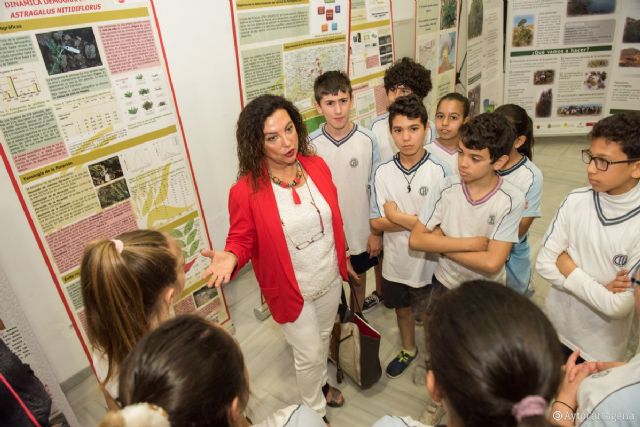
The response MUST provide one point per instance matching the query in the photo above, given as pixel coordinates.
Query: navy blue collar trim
(344, 139)
(612, 221)
(519, 163)
(396, 160)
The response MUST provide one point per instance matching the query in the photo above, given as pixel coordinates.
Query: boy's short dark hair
(409, 106)
(330, 83)
(455, 96)
(408, 73)
(489, 130)
(623, 129)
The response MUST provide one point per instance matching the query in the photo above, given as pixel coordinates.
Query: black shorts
(399, 295)
(362, 262)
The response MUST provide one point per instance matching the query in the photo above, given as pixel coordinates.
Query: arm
(565, 405)
(524, 225)
(489, 261)
(554, 242)
(616, 305)
(383, 224)
(423, 239)
(396, 216)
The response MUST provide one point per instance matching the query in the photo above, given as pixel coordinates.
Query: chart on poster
(571, 63)
(92, 140)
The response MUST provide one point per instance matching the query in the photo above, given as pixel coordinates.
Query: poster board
(92, 141)
(372, 51)
(484, 54)
(571, 63)
(17, 334)
(436, 45)
(283, 45)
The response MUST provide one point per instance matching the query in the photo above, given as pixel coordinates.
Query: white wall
(199, 46)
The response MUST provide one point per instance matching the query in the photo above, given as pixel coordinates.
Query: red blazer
(256, 234)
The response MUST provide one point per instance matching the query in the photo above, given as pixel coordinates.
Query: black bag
(354, 347)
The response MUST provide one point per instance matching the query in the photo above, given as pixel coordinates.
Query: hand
(390, 209)
(374, 245)
(572, 378)
(352, 273)
(565, 264)
(222, 265)
(621, 283)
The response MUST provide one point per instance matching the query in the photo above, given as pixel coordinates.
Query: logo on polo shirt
(492, 220)
(423, 190)
(353, 162)
(620, 260)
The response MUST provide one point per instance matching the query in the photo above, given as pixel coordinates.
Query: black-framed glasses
(319, 235)
(603, 164)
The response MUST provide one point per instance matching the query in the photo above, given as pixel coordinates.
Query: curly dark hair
(250, 135)
(330, 83)
(522, 125)
(408, 73)
(489, 130)
(409, 106)
(623, 129)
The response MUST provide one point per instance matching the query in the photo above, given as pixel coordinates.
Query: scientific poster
(571, 63)
(484, 55)
(371, 53)
(17, 334)
(92, 140)
(437, 44)
(283, 45)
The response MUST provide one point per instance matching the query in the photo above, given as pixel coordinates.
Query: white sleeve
(378, 197)
(375, 157)
(507, 229)
(554, 242)
(431, 215)
(546, 266)
(534, 196)
(614, 305)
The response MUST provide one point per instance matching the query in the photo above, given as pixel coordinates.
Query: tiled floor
(270, 362)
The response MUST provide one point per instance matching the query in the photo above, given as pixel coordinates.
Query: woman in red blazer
(284, 217)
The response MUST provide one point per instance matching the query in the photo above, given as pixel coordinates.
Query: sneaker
(434, 413)
(371, 301)
(397, 366)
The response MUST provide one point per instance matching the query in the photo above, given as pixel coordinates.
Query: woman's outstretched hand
(222, 265)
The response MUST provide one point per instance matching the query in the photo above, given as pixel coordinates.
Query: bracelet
(565, 404)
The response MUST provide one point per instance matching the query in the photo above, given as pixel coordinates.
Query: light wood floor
(270, 362)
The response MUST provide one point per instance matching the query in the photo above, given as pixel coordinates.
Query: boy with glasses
(591, 248)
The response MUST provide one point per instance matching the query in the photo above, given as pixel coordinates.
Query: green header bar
(563, 51)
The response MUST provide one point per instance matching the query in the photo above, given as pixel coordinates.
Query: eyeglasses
(319, 235)
(401, 90)
(602, 164)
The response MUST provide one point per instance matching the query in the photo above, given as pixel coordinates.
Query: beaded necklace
(294, 183)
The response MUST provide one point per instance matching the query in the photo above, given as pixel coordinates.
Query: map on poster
(91, 138)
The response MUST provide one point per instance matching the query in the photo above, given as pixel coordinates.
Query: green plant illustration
(139, 77)
(147, 105)
(133, 110)
(143, 91)
(162, 104)
(187, 237)
(154, 206)
(128, 94)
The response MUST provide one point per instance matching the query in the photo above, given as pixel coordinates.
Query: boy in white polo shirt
(591, 248)
(472, 221)
(351, 152)
(400, 190)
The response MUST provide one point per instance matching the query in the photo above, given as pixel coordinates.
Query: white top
(449, 156)
(401, 264)
(526, 177)
(315, 265)
(610, 398)
(393, 421)
(293, 416)
(495, 216)
(351, 161)
(101, 365)
(601, 234)
(386, 146)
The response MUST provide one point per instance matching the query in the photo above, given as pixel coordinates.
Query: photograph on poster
(447, 51)
(598, 63)
(475, 19)
(595, 80)
(105, 171)
(69, 50)
(544, 77)
(523, 30)
(113, 193)
(544, 103)
(204, 295)
(448, 14)
(474, 101)
(590, 7)
(580, 110)
(631, 31)
(629, 57)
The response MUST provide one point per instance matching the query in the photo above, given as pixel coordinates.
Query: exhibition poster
(484, 55)
(571, 63)
(436, 45)
(92, 141)
(283, 45)
(371, 52)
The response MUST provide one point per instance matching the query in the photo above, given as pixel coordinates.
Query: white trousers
(308, 337)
